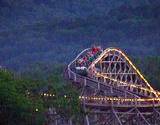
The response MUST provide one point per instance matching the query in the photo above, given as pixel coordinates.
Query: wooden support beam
(75, 77)
(98, 86)
(85, 82)
(87, 120)
(116, 116)
(69, 74)
(143, 117)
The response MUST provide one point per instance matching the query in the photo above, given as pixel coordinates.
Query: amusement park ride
(113, 91)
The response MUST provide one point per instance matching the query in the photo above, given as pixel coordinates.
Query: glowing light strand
(138, 72)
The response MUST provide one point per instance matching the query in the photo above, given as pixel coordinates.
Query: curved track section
(115, 86)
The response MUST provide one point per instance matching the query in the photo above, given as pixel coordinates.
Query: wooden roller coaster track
(115, 87)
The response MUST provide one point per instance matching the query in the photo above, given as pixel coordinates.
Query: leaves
(13, 96)
(150, 67)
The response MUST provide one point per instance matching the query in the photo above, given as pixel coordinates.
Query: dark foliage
(49, 31)
(20, 96)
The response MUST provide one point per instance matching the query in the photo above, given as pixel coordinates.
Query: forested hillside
(150, 68)
(50, 31)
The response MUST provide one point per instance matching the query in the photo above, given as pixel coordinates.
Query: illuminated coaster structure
(115, 66)
(113, 89)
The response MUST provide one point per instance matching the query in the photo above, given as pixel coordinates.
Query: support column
(75, 78)
(85, 82)
(111, 89)
(95, 117)
(87, 120)
(117, 118)
(98, 86)
(101, 66)
(56, 122)
(70, 121)
(69, 74)
(104, 80)
(125, 94)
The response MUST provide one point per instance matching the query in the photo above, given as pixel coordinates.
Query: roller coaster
(113, 91)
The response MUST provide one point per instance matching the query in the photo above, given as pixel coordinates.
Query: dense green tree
(50, 79)
(16, 106)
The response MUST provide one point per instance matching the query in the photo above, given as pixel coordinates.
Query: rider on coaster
(90, 56)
